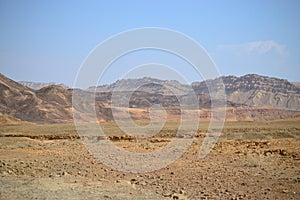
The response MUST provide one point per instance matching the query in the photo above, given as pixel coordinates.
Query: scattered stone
(185, 176)
(143, 183)
(65, 174)
(179, 196)
(133, 180)
(167, 194)
(285, 191)
(107, 196)
(282, 152)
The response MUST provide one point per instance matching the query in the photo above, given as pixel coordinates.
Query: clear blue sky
(48, 40)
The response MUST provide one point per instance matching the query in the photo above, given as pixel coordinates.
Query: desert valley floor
(251, 160)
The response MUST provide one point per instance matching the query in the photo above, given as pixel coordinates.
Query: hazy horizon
(142, 77)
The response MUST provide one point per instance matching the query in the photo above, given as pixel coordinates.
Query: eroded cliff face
(255, 90)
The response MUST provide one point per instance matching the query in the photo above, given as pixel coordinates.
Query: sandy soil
(240, 167)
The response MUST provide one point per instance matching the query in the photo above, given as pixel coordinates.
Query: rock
(167, 194)
(65, 174)
(107, 196)
(282, 152)
(133, 180)
(179, 196)
(285, 191)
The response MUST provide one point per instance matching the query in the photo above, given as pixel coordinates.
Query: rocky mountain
(249, 97)
(249, 90)
(297, 84)
(39, 85)
(50, 104)
(146, 84)
(256, 90)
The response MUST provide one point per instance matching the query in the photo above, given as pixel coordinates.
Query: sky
(48, 40)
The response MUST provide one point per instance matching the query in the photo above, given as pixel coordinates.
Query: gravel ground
(70, 188)
(234, 169)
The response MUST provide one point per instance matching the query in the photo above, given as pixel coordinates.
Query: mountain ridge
(250, 96)
(256, 90)
(40, 85)
(24, 103)
(250, 89)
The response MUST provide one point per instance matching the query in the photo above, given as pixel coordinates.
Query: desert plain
(251, 160)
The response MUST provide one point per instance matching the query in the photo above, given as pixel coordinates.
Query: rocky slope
(146, 84)
(256, 90)
(297, 84)
(250, 97)
(50, 104)
(248, 90)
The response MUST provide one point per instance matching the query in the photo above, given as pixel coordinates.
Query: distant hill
(248, 90)
(146, 84)
(39, 85)
(249, 97)
(256, 90)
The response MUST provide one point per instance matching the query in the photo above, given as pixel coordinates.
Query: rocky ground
(241, 167)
